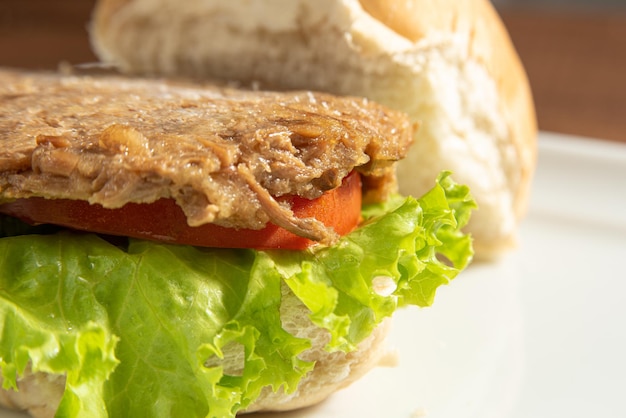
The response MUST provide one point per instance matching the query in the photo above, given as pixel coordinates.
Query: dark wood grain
(576, 62)
(44, 33)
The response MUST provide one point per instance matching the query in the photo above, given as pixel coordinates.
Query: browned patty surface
(222, 154)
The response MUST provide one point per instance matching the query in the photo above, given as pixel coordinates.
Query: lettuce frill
(135, 329)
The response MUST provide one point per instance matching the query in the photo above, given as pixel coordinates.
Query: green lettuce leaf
(139, 331)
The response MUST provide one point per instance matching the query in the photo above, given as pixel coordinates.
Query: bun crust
(451, 66)
(40, 393)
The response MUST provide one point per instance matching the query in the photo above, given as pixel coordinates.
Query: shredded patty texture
(223, 154)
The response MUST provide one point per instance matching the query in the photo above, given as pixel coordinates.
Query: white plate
(541, 333)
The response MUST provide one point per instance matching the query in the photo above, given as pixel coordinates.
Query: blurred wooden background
(576, 63)
(575, 59)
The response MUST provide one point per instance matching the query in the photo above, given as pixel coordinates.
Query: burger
(170, 248)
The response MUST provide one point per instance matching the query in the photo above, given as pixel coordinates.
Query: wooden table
(576, 62)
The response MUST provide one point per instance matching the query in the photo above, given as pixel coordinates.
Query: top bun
(450, 65)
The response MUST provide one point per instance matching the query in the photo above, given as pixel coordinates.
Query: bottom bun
(332, 371)
(39, 393)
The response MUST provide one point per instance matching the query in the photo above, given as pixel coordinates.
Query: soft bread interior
(450, 66)
(38, 394)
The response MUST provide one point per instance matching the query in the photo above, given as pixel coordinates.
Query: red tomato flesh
(165, 221)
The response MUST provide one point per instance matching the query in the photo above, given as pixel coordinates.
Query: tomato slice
(165, 221)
